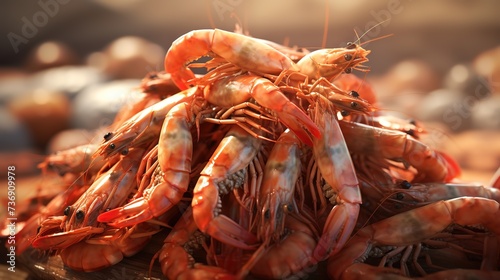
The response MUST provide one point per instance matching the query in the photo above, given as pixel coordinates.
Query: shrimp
(420, 224)
(290, 256)
(410, 127)
(176, 262)
(331, 63)
(336, 167)
(109, 190)
(234, 153)
(276, 197)
(350, 83)
(382, 200)
(107, 248)
(74, 160)
(243, 51)
(431, 166)
(144, 126)
(55, 207)
(160, 84)
(175, 149)
(234, 90)
(255, 56)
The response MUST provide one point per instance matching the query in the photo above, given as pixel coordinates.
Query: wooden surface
(33, 265)
(136, 267)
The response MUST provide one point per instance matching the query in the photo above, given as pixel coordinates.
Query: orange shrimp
(176, 262)
(74, 160)
(109, 190)
(55, 207)
(337, 169)
(107, 248)
(276, 197)
(420, 224)
(432, 166)
(382, 199)
(330, 63)
(234, 90)
(241, 50)
(144, 126)
(159, 83)
(234, 153)
(410, 127)
(290, 256)
(175, 148)
(349, 82)
(255, 56)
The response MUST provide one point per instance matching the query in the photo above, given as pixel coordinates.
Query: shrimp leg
(276, 197)
(336, 167)
(420, 223)
(175, 149)
(243, 51)
(230, 91)
(235, 152)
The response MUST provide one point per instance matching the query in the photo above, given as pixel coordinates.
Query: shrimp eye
(112, 146)
(152, 75)
(67, 210)
(348, 70)
(400, 196)
(288, 208)
(80, 215)
(107, 136)
(344, 113)
(405, 184)
(354, 105)
(350, 46)
(124, 152)
(354, 93)
(267, 214)
(347, 56)
(413, 122)
(410, 132)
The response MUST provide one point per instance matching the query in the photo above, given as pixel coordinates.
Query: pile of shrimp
(274, 161)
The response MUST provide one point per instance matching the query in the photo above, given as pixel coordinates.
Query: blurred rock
(486, 113)
(128, 57)
(68, 79)
(487, 64)
(12, 86)
(97, 106)
(452, 108)
(406, 75)
(8, 73)
(43, 112)
(14, 134)
(463, 78)
(50, 54)
(405, 103)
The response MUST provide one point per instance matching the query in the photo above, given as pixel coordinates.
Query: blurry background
(68, 66)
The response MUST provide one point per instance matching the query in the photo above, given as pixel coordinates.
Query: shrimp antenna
(366, 32)
(375, 39)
